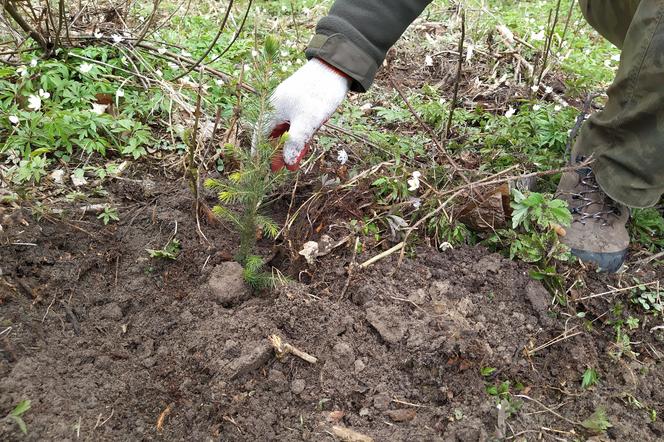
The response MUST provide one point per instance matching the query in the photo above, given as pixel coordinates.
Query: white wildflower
(417, 203)
(510, 112)
(33, 62)
(254, 53)
(342, 156)
(537, 107)
(428, 61)
(247, 67)
(119, 93)
(85, 68)
(98, 34)
(22, 71)
(161, 50)
(158, 73)
(538, 36)
(117, 38)
(414, 182)
(44, 95)
(173, 66)
(445, 246)
(34, 102)
(557, 108)
(284, 53)
(13, 119)
(99, 109)
(219, 82)
(534, 87)
(548, 90)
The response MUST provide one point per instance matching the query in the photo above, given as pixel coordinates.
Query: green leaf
(21, 408)
(598, 422)
(170, 251)
(590, 378)
(21, 424)
(487, 371)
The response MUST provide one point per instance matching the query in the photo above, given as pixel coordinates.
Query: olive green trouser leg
(627, 137)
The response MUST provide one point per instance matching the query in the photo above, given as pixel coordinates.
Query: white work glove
(301, 105)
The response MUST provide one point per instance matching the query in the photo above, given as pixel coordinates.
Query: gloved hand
(301, 105)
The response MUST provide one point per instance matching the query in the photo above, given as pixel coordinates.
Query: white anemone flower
(510, 112)
(85, 68)
(13, 119)
(414, 182)
(342, 156)
(34, 102)
(99, 109)
(22, 71)
(539, 36)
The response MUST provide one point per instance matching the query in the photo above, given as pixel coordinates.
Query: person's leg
(626, 139)
(611, 19)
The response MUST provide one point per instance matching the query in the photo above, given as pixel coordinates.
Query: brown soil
(109, 344)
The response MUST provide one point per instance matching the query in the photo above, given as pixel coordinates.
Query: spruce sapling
(243, 193)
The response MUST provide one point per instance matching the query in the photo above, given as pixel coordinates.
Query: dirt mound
(111, 345)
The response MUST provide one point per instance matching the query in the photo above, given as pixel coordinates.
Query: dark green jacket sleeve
(357, 34)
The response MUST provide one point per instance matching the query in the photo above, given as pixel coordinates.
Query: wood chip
(348, 435)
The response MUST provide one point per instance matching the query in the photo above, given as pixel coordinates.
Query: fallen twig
(560, 338)
(650, 259)
(385, 254)
(351, 267)
(282, 349)
(614, 291)
(523, 396)
(162, 417)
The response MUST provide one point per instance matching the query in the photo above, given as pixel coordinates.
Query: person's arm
(356, 35)
(349, 46)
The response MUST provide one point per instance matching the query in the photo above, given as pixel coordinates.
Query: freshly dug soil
(109, 344)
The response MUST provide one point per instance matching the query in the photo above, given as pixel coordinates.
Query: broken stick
(282, 349)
